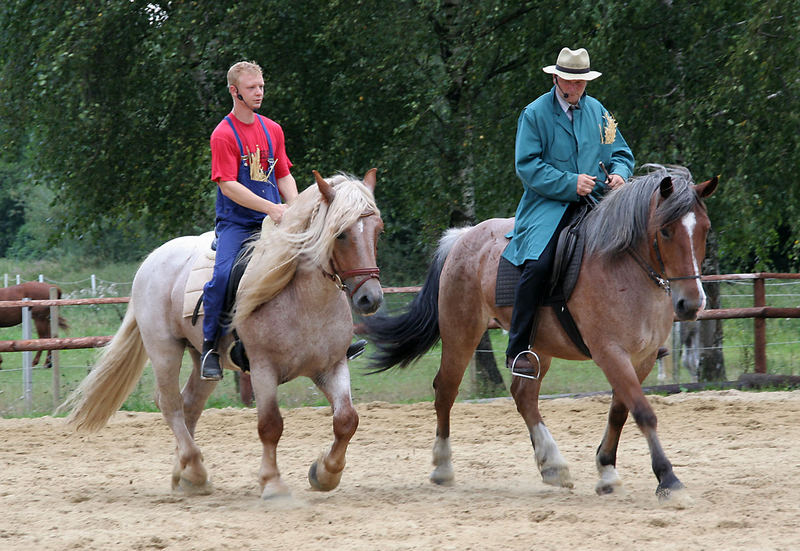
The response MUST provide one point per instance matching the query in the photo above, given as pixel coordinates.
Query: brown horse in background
(34, 290)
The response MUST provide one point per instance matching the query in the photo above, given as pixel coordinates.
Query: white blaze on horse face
(360, 226)
(689, 222)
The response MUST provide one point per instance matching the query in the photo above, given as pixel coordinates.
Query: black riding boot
(210, 370)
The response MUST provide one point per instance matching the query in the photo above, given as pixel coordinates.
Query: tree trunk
(712, 364)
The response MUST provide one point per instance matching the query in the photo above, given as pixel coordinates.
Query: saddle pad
(507, 277)
(200, 274)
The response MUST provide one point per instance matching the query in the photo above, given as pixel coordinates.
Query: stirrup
(523, 375)
(356, 349)
(215, 374)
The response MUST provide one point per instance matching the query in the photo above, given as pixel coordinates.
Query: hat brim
(590, 75)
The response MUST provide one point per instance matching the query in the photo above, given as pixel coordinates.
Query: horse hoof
(557, 476)
(322, 480)
(189, 488)
(676, 497)
(443, 476)
(609, 482)
(275, 491)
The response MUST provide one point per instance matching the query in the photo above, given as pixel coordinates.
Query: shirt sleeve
(224, 158)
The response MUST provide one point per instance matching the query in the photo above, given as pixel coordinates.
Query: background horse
(292, 316)
(689, 352)
(10, 317)
(645, 244)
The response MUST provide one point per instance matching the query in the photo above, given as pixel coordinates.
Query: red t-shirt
(225, 157)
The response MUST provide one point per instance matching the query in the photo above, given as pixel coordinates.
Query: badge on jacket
(608, 130)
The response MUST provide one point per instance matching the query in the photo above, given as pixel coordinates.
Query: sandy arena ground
(738, 454)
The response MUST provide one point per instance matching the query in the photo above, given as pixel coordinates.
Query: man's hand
(585, 184)
(275, 212)
(615, 181)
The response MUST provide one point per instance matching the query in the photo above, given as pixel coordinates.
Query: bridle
(339, 278)
(662, 281)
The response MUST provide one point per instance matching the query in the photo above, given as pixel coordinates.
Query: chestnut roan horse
(40, 315)
(645, 243)
(293, 316)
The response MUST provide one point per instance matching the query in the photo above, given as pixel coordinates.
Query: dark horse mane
(620, 220)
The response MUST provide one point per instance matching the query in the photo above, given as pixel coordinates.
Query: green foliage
(108, 106)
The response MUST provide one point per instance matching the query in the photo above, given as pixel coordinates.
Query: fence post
(54, 354)
(5, 280)
(677, 347)
(759, 327)
(94, 286)
(27, 364)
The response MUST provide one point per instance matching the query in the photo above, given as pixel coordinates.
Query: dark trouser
(230, 238)
(530, 292)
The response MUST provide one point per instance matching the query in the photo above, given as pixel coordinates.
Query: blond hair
(237, 69)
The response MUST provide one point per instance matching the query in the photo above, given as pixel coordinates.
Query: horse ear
(706, 188)
(327, 191)
(666, 187)
(370, 180)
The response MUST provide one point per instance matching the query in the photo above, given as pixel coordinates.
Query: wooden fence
(760, 312)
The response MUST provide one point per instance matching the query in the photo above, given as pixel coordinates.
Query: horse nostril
(368, 305)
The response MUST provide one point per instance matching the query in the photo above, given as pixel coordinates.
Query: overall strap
(238, 141)
(269, 140)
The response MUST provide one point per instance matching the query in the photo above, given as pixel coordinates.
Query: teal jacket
(550, 152)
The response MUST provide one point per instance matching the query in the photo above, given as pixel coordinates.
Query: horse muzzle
(686, 307)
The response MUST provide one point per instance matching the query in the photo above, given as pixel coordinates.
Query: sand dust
(737, 453)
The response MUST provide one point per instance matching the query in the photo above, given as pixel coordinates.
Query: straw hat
(572, 65)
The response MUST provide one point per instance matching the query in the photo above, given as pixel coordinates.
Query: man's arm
(287, 188)
(238, 193)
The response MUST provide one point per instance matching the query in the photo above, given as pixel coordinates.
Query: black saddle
(566, 267)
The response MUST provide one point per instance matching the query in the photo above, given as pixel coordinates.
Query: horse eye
(341, 236)
(665, 233)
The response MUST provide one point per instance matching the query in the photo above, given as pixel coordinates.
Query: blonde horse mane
(305, 236)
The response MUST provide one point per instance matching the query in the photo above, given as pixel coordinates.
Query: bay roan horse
(641, 266)
(40, 315)
(292, 314)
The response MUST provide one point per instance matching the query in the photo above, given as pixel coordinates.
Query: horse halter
(662, 281)
(339, 278)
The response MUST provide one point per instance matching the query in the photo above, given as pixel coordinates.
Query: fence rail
(759, 313)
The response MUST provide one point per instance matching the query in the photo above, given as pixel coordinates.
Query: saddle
(566, 267)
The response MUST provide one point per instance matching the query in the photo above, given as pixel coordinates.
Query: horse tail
(104, 390)
(405, 338)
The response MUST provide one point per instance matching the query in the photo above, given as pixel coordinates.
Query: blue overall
(235, 224)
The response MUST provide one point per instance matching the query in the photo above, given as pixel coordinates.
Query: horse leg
(43, 330)
(606, 456)
(458, 345)
(195, 394)
(189, 474)
(270, 429)
(326, 472)
(628, 395)
(552, 465)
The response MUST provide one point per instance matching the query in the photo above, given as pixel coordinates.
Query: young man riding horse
(565, 141)
(252, 171)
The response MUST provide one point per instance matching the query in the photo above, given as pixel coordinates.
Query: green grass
(412, 384)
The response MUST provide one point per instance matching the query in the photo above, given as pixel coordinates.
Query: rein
(656, 277)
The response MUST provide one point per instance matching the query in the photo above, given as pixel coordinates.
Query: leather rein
(340, 278)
